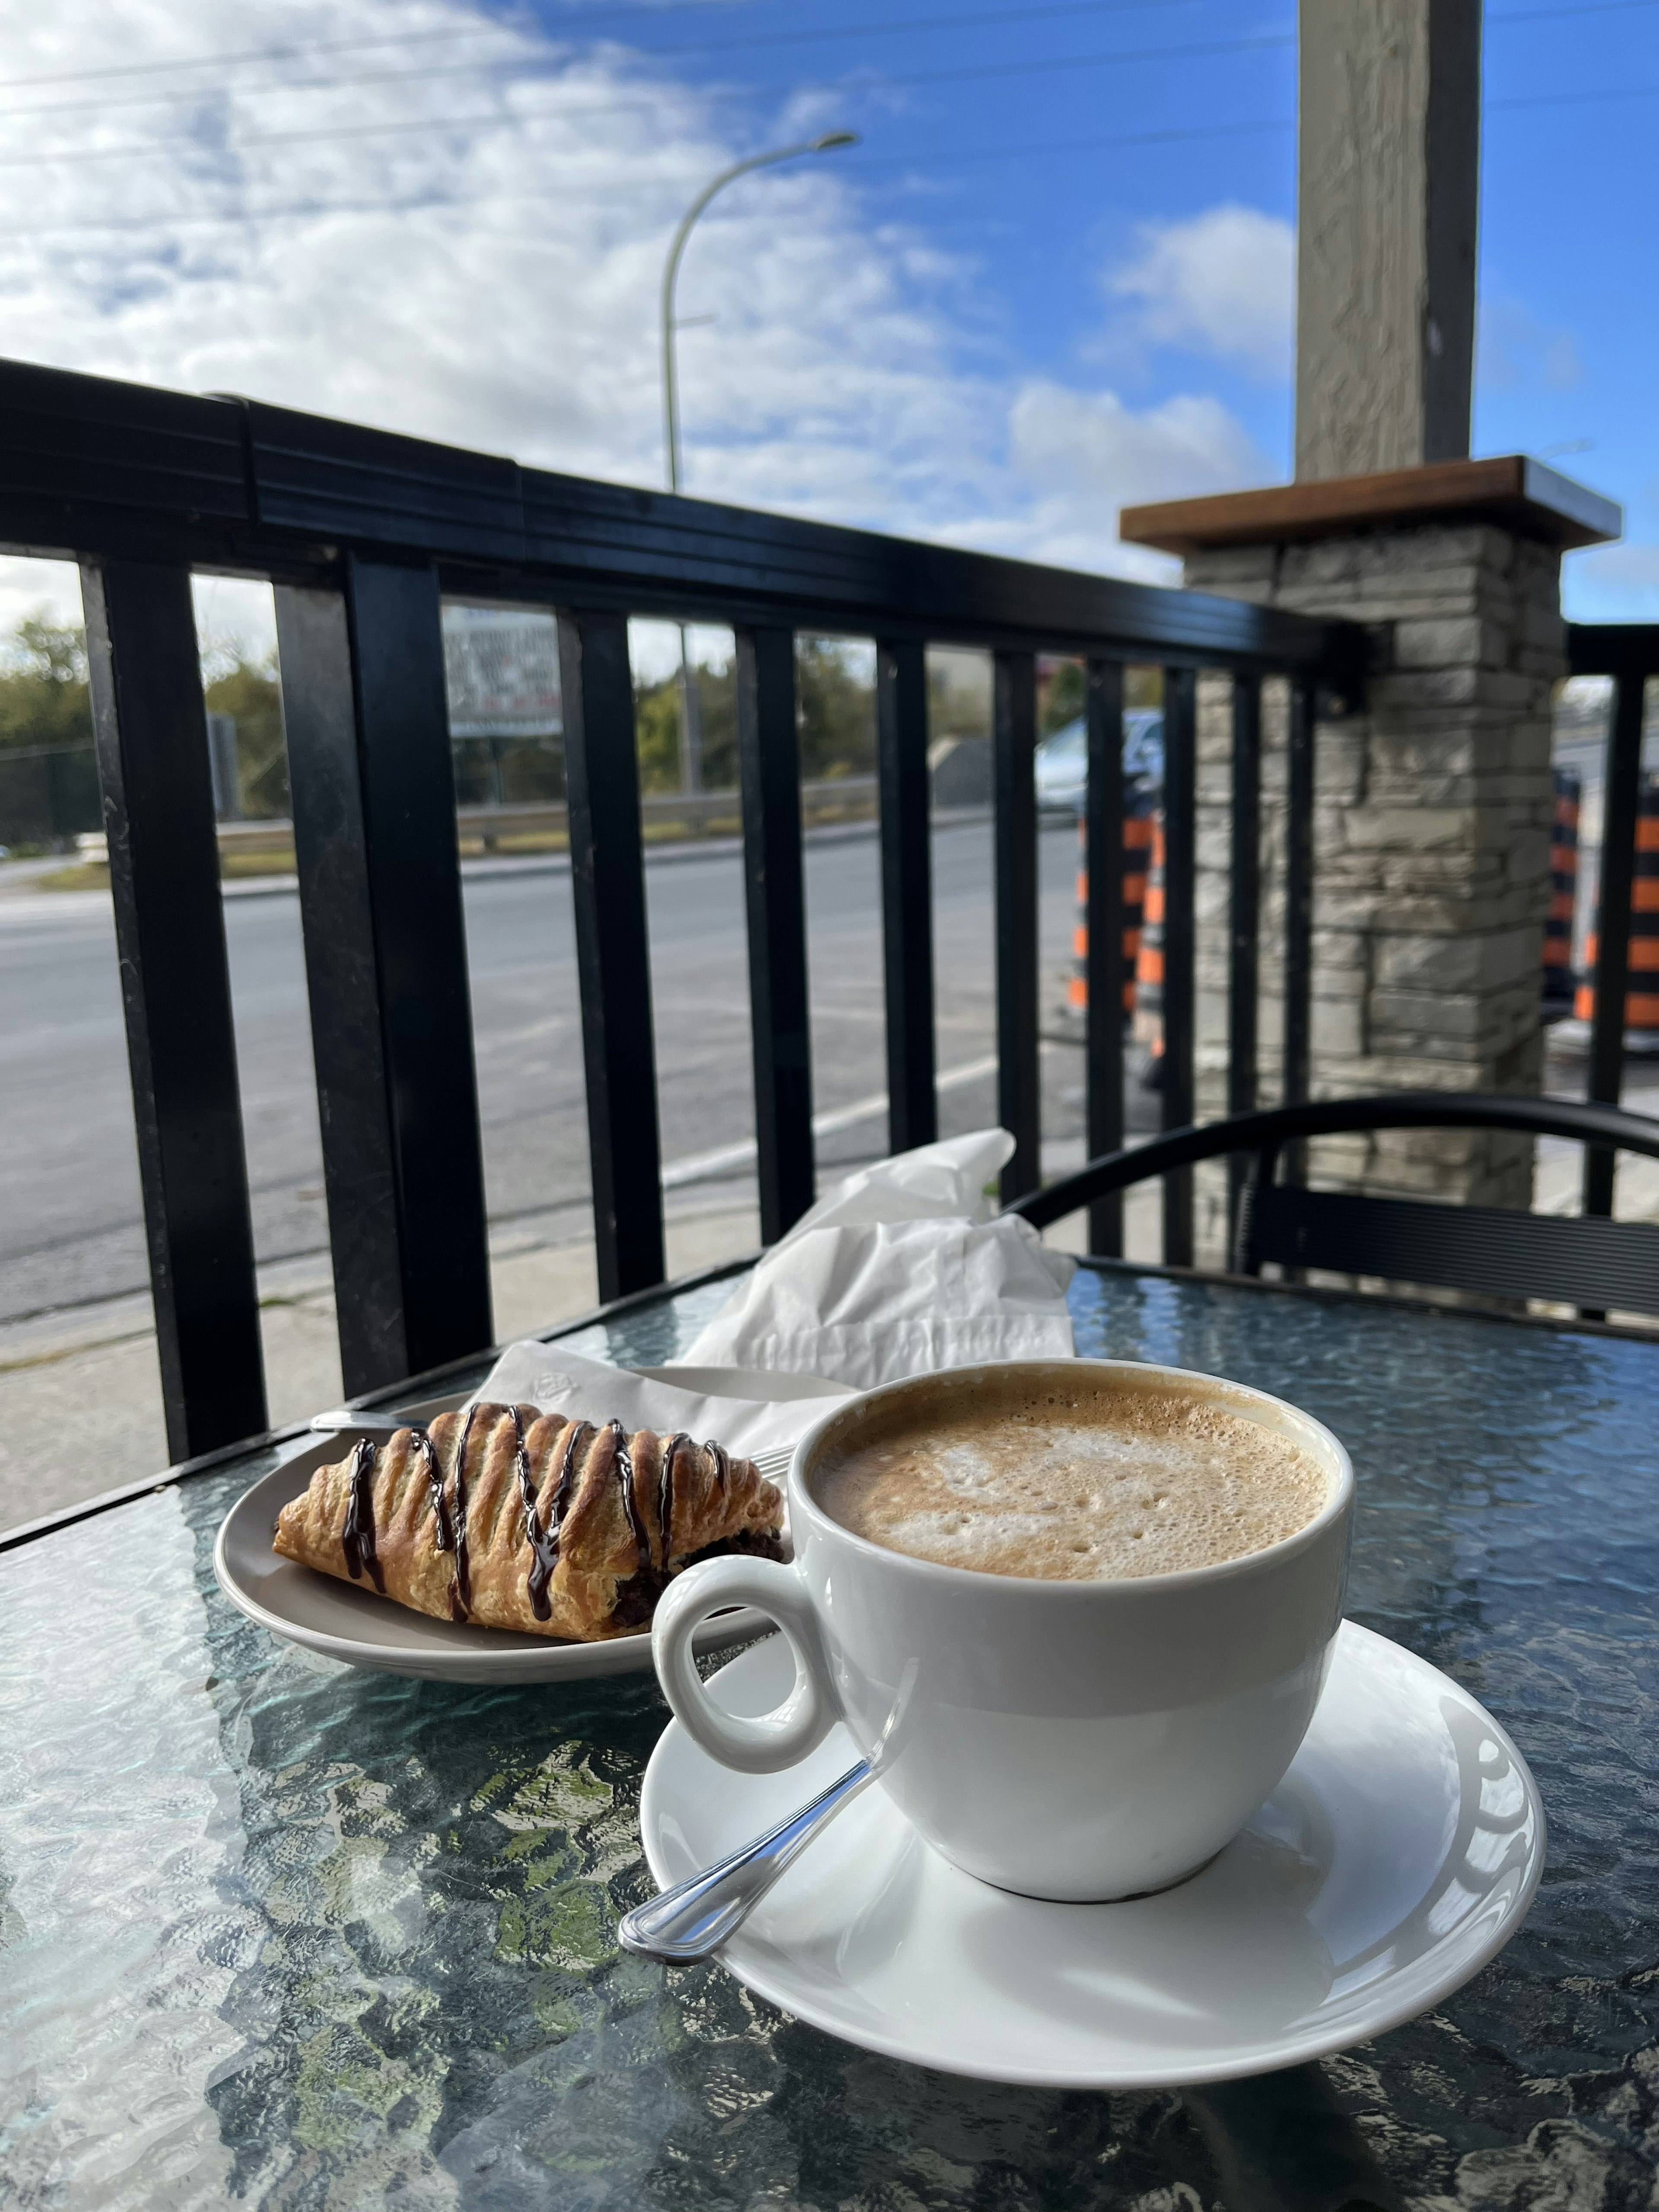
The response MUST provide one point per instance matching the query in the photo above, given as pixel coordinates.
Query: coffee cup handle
(764, 1743)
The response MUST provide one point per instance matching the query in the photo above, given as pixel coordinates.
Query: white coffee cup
(1069, 1740)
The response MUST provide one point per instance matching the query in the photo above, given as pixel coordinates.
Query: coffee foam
(1110, 1485)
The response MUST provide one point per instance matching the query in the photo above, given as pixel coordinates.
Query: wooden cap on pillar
(1520, 496)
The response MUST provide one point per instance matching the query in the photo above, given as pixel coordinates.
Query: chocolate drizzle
(624, 1465)
(358, 1535)
(537, 1538)
(442, 1540)
(460, 1589)
(525, 1481)
(722, 1465)
(545, 1539)
(672, 1446)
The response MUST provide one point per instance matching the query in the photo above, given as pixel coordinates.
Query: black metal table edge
(426, 1383)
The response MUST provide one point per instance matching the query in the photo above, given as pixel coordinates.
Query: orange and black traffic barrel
(1642, 986)
(1137, 846)
(1149, 964)
(1563, 891)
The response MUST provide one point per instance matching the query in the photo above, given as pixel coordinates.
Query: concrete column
(1387, 169)
(1433, 803)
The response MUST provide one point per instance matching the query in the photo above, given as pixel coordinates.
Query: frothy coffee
(1091, 1485)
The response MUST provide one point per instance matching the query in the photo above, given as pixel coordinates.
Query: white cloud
(1222, 283)
(497, 286)
(1514, 350)
(1085, 454)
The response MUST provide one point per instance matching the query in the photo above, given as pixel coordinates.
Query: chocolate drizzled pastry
(551, 1527)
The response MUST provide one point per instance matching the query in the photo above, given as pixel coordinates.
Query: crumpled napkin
(901, 1270)
(556, 1381)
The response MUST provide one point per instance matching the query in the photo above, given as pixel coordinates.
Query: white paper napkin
(548, 1376)
(899, 1271)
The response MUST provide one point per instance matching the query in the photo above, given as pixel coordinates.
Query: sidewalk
(80, 1392)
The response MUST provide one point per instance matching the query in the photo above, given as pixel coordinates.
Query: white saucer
(1398, 1855)
(326, 1615)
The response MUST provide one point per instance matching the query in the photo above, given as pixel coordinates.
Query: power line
(167, 221)
(887, 28)
(973, 155)
(153, 149)
(633, 183)
(624, 14)
(348, 45)
(536, 66)
(554, 34)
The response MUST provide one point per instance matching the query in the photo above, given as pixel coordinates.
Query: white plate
(1397, 1855)
(331, 1617)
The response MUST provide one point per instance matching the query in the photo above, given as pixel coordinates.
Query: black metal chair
(1586, 1261)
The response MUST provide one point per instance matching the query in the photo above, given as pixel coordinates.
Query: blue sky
(1004, 167)
(1055, 277)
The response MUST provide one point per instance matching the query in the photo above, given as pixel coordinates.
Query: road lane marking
(698, 1165)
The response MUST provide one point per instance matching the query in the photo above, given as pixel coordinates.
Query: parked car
(1062, 759)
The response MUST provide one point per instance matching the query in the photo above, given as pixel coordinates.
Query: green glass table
(277, 1933)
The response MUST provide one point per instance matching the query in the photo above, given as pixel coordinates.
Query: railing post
(1104, 972)
(1623, 790)
(1299, 891)
(150, 730)
(613, 956)
(907, 901)
(1014, 747)
(1298, 914)
(374, 797)
(1180, 941)
(768, 768)
(1243, 921)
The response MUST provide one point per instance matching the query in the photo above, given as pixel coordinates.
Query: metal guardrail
(362, 533)
(696, 811)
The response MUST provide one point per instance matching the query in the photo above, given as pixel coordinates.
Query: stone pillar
(1387, 176)
(1432, 803)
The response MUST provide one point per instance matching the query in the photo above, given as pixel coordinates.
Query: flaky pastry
(513, 1519)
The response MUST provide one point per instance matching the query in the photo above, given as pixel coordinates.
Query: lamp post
(691, 717)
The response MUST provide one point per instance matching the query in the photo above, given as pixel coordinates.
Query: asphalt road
(70, 1214)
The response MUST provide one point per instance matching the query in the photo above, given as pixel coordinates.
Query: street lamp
(690, 719)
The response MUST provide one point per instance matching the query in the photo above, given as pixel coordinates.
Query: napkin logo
(550, 1385)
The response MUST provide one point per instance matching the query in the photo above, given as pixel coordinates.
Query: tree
(835, 709)
(43, 686)
(835, 718)
(1063, 692)
(1060, 695)
(657, 730)
(43, 701)
(248, 691)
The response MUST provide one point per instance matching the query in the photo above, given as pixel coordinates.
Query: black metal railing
(362, 533)
(1629, 889)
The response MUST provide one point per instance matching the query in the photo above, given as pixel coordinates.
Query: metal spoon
(695, 1917)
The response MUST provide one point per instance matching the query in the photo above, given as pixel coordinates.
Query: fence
(1629, 654)
(48, 794)
(360, 532)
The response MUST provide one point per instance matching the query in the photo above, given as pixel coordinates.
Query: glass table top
(275, 1932)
